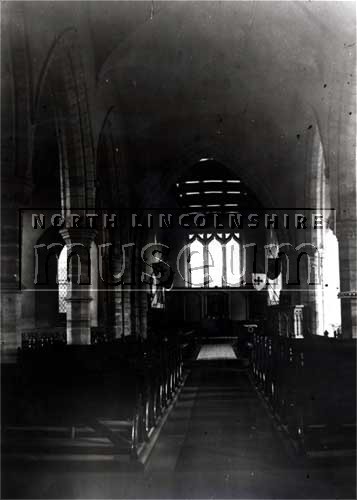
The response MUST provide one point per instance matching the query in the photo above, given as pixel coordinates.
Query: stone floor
(218, 442)
(216, 351)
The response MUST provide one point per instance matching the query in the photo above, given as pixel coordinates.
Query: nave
(219, 441)
(178, 184)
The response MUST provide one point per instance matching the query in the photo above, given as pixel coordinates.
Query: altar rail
(97, 400)
(310, 385)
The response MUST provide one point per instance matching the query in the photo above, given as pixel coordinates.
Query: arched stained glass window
(219, 255)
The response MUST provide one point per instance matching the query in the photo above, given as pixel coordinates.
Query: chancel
(178, 250)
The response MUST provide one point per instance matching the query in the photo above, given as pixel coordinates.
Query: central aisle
(218, 442)
(216, 351)
(227, 429)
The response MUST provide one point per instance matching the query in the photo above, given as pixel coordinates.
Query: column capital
(78, 235)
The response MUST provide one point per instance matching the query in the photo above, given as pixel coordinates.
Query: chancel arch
(217, 249)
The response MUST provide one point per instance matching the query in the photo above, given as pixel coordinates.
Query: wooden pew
(81, 400)
(327, 401)
(310, 385)
(102, 401)
(189, 344)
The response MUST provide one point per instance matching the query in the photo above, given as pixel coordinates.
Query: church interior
(178, 249)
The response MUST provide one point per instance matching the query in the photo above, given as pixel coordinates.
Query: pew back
(310, 385)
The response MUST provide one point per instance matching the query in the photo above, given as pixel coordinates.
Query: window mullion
(205, 265)
(188, 268)
(224, 264)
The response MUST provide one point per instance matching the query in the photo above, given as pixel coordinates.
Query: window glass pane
(215, 263)
(62, 280)
(233, 263)
(196, 264)
(274, 289)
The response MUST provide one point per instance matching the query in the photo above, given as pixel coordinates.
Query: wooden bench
(90, 402)
(189, 344)
(310, 385)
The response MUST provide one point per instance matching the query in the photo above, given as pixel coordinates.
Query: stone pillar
(122, 265)
(10, 284)
(127, 310)
(343, 169)
(117, 298)
(137, 294)
(78, 241)
(346, 233)
(311, 286)
(15, 195)
(347, 217)
(144, 313)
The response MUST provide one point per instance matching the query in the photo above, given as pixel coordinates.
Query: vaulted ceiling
(240, 80)
(244, 82)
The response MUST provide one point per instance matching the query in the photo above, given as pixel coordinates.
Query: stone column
(343, 169)
(122, 266)
(144, 312)
(10, 284)
(117, 297)
(15, 195)
(137, 294)
(311, 286)
(346, 233)
(347, 217)
(78, 241)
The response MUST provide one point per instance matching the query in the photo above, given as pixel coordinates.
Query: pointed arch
(62, 76)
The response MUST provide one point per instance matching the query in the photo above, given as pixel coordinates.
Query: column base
(78, 321)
